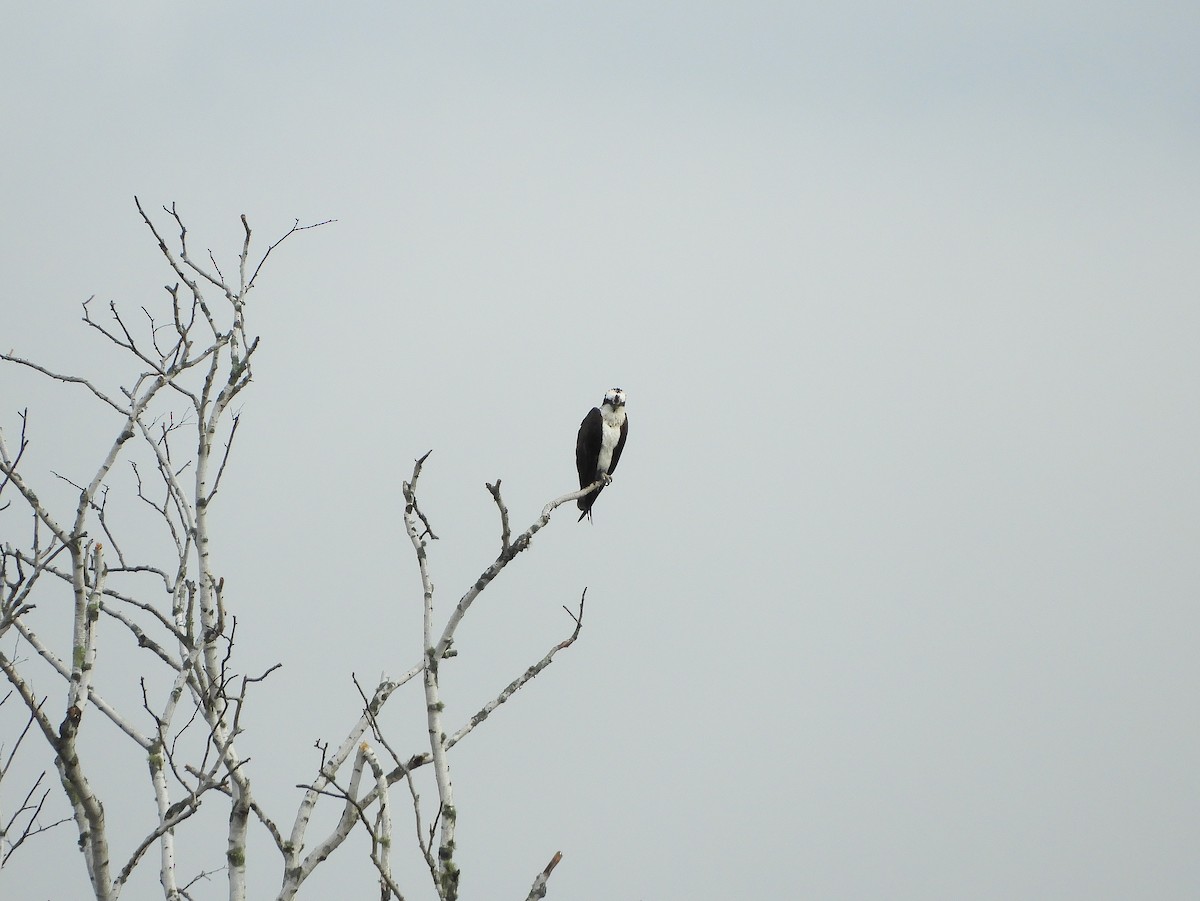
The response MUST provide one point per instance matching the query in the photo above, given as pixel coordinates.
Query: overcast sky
(895, 592)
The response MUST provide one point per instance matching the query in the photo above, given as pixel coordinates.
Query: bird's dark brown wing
(587, 449)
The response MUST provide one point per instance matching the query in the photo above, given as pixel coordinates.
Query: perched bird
(598, 448)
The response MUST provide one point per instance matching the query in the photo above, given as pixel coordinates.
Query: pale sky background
(895, 592)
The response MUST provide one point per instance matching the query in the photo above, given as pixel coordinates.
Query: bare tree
(175, 427)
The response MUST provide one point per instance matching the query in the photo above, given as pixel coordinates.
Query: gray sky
(895, 592)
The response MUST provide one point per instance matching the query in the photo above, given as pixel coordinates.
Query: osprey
(598, 447)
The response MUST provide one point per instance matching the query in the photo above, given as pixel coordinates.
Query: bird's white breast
(610, 434)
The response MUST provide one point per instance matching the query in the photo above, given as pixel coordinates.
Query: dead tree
(174, 428)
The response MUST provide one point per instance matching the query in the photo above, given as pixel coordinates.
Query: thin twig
(410, 495)
(539, 885)
(505, 532)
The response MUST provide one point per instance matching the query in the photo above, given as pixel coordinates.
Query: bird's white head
(614, 398)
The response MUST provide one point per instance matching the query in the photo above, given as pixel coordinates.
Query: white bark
(193, 364)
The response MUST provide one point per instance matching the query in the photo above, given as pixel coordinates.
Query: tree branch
(539, 885)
